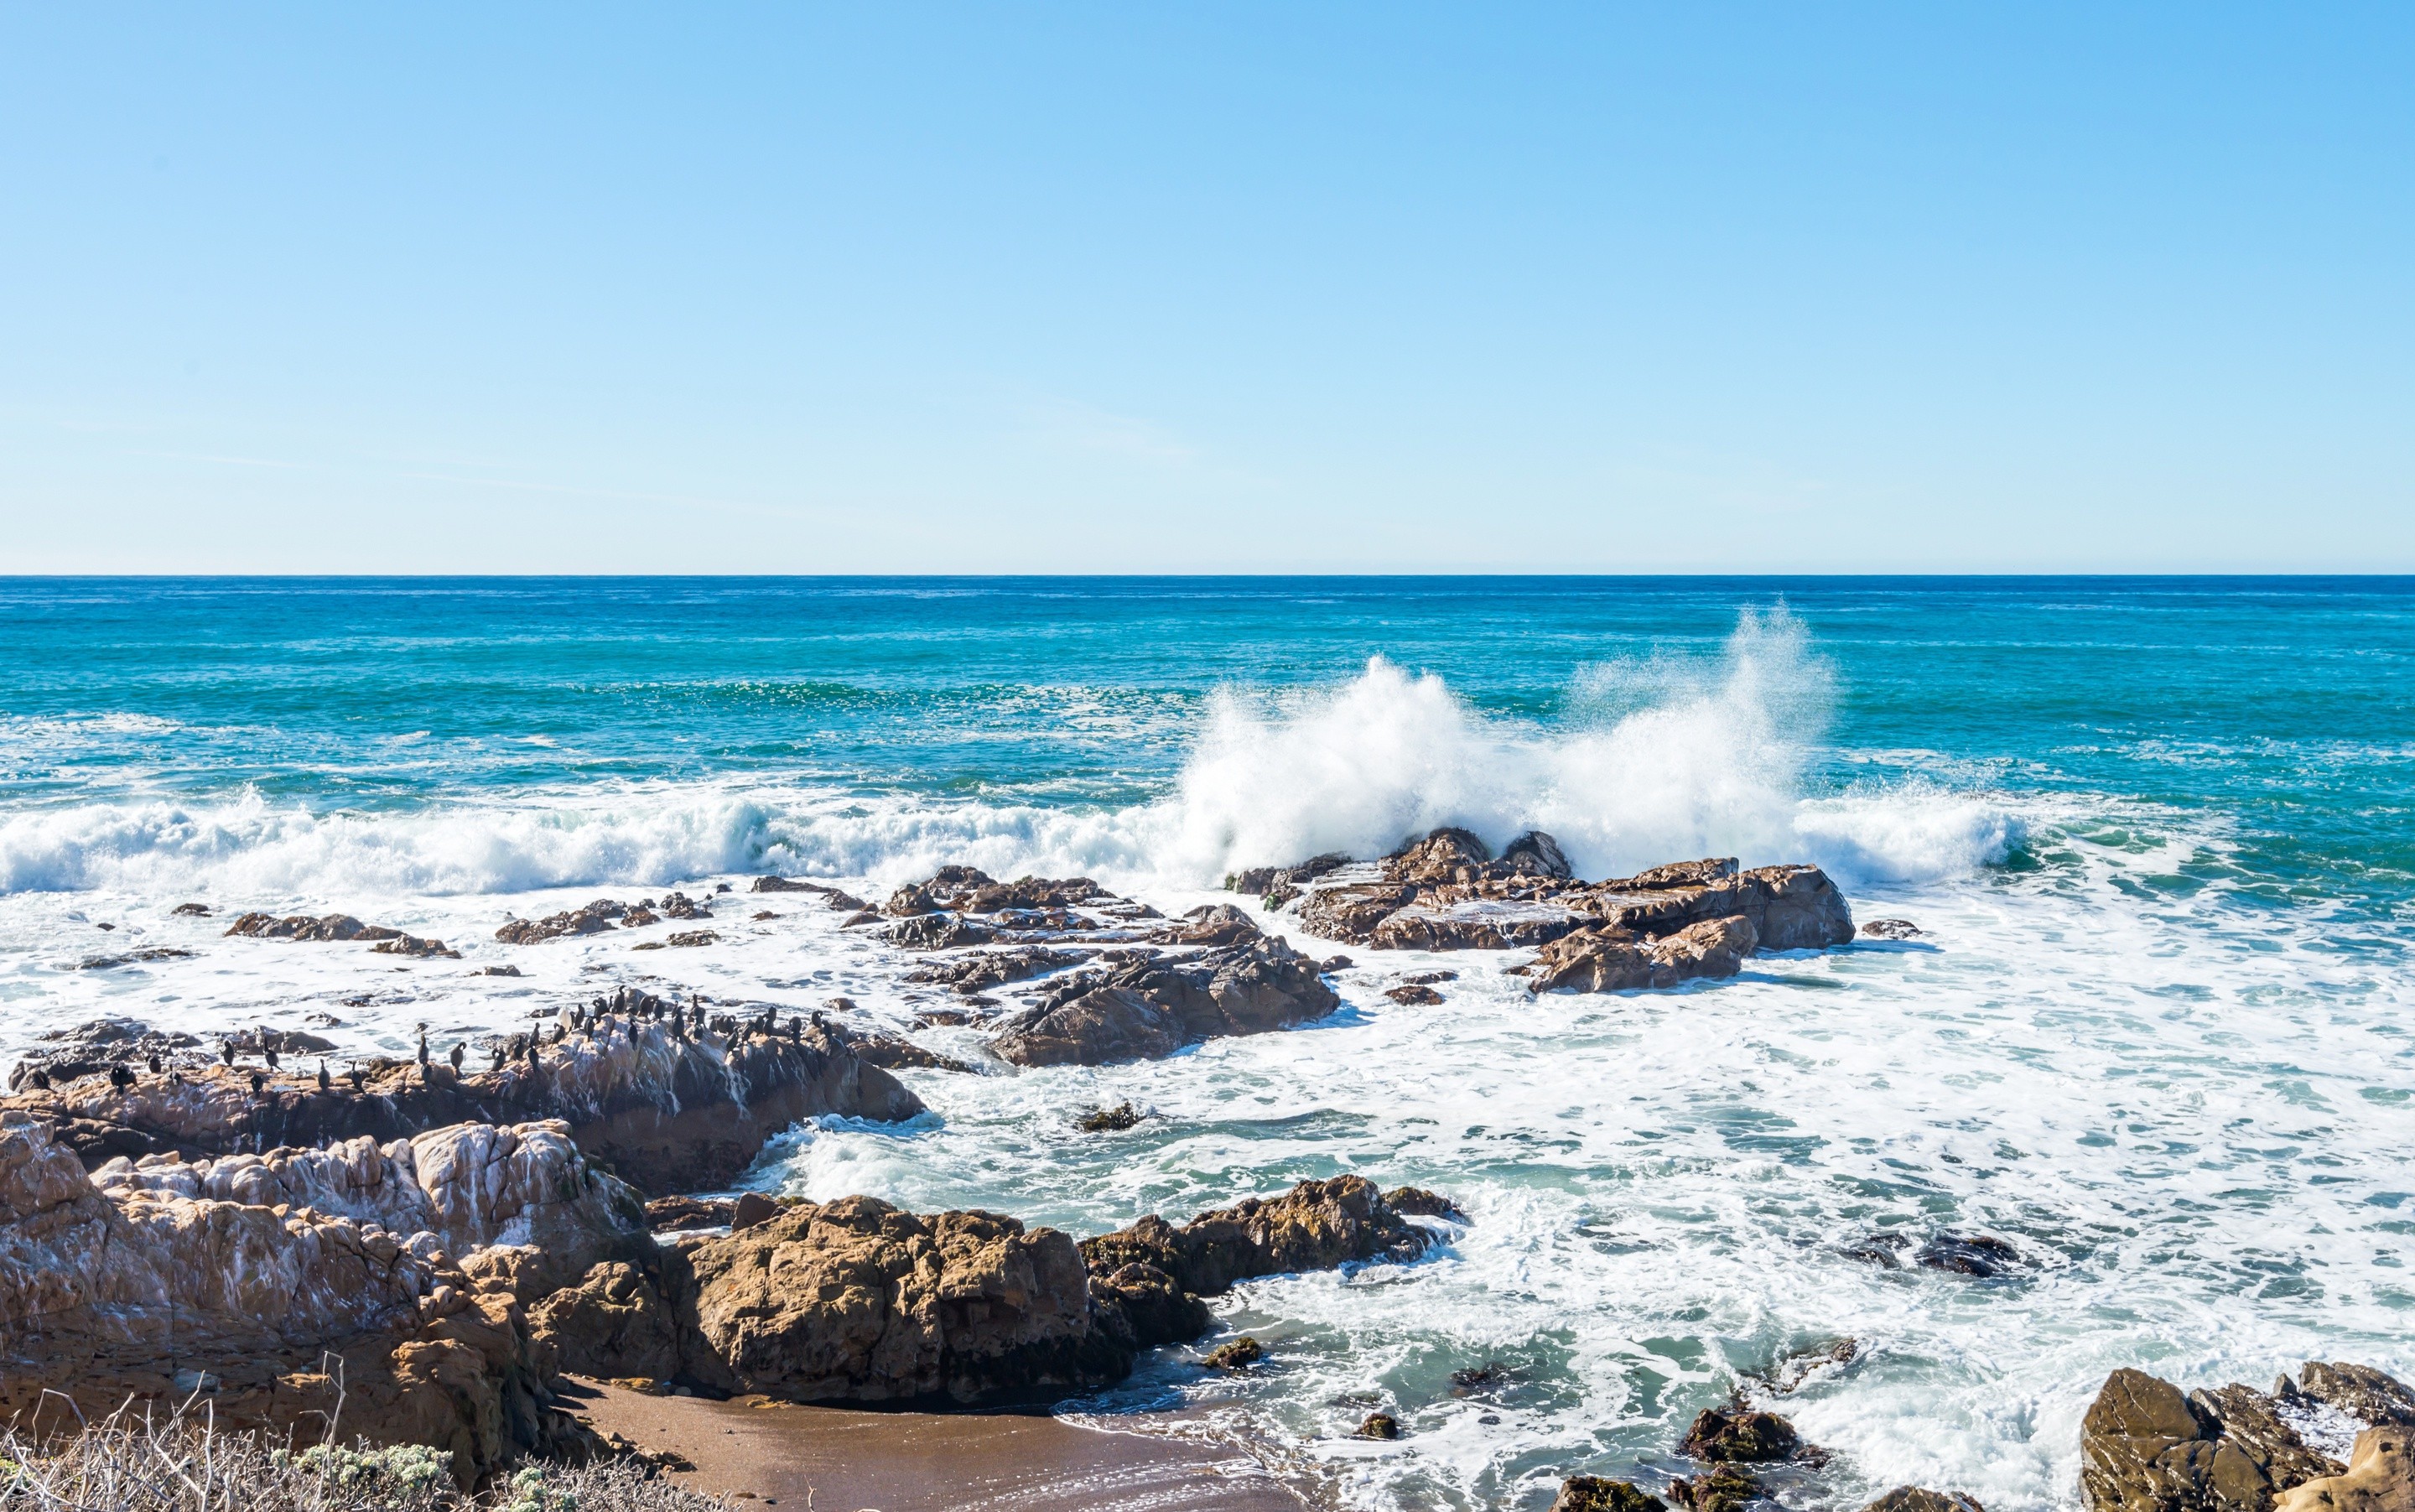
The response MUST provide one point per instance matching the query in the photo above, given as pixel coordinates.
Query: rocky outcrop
(2380, 1477)
(1152, 1007)
(1315, 1226)
(594, 919)
(472, 1185)
(97, 1047)
(666, 1110)
(278, 1313)
(1593, 1493)
(304, 927)
(1445, 891)
(859, 1301)
(1605, 958)
(982, 969)
(1921, 1498)
(1740, 1435)
(2144, 1446)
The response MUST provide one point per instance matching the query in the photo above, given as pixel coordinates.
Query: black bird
(531, 1049)
(226, 1051)
(457, 1057)
(561, 1032)
(259, 1081)
(41, 1080)
(797, 1030)
(268, 1053)
(423, 1047)
(499, 1058)
(356, 1076)
(175, 1078)
(324, 1080)
(121, 1076)
(157, 1064)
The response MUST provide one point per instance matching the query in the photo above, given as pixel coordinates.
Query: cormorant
(259, 1081)
(157, 1064)
(268, 1053)
(121, 1076)
(325, 1080)
(457, 1057)
(226, 1051)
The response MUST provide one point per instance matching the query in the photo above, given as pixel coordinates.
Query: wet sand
(847, 1460)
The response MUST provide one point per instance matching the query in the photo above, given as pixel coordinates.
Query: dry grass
(134, 1462)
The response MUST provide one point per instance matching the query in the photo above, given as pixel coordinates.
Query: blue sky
(1173, 288)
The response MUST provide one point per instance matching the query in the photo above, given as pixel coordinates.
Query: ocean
(2158, 836)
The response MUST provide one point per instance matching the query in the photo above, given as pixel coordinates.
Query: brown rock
(1593, 1493)
(1315, 1226)
(1414, 995)
(591, 919)
(2363, 1393)
(1222, 925)
(1600, 960)
(786, 884)
(859, 1301)
(1921, 1498)
(2141, 1449)
(413, 946)
(2380, 1477)
(1234, 1355)
(1149, 1008)
(981, 969)
(303, 927)
(751, 1208)
(1735, 1435)
(1447, 855)
(1725, 1489)
(1377, 1426)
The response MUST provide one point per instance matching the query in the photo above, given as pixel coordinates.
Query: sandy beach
(836, 1459)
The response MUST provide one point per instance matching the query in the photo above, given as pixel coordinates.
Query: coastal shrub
(135, 1464)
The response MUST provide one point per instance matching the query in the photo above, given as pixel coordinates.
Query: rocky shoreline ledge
(420, 1252)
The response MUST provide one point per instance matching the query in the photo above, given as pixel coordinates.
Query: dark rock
(679, 906)
(1335, 962)
(1592, 1493)
(2246, 1420)
(1415, 1202)
(151, 952)
(1413, 994)
(1974, 1255)
(1108, 1120)
(1377, 1426)
(937, 930)
(1472, 924)
(192, 910)
(1477, 1380)
(679, 1215)
(1921, 1498)
(1222, 925)
(1449, 854)
(786, 884)
(1252, 881)
(1536, 854)
(752, 1207)
(694, 938)
(1231, 1356)
(1735, 1435)
(93, 1047)
(2361, 1391)
(499, 971)
(303, 927)
(1149, 1008)
(594, 918)
(1143, 1306)
(1315, 1226)
(1891, 929)
(994, 968)
(413, 946)
(1725, 1489)
(1878, 1249)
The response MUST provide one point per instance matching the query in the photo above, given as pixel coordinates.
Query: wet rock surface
(1152, 1007)
(304, 927)
(1593, 1493)
(1315, 1226)
(2146, 1446)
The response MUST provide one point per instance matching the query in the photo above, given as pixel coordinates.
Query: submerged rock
(1593, 1493)
(1974, 1255)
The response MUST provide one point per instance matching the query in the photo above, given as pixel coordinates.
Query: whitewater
(2151, 1031)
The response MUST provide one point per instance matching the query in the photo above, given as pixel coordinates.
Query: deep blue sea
(2159, 835)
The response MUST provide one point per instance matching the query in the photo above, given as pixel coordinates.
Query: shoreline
(842, 1460)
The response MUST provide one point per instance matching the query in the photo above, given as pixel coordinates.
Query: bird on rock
(457, 1057)
(325, 1081)
(268, 1053)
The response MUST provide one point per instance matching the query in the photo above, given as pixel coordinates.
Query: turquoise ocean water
(2156, 832)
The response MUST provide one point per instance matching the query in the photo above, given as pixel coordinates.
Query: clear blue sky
(1206, 287)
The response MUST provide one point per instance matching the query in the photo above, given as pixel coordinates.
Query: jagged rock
(617, 1324)
(1604, 960)
(594, 919)
(1921, 1498)
(192, 910)
(665, 1114)
(938, 931)
(1536, 854)
(859, 1301)
(1735, 1435)
(1151, 1008)
(1593, 1493)
(1377, 1426)
(413, 946)
(2380, 1477)
(303, 927)
(1676, 875)
(105, 1295)
(678, 1214)
(890, 1053)
(1314, 1226)
(1143, 1306)
(1413, 994)
(1222, 925)
(693, 938)
(2361, 1391)
(1241, 1351)
(1352, 910)
(1725, 1489)
(94, 1046)
(679, 906)
(969, 974)
(1447, 855)
(1415, 1202)
(1109, 1121)
(1972, 1254)
(1890, 929)
(1472, 924)
(2145, 1448)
